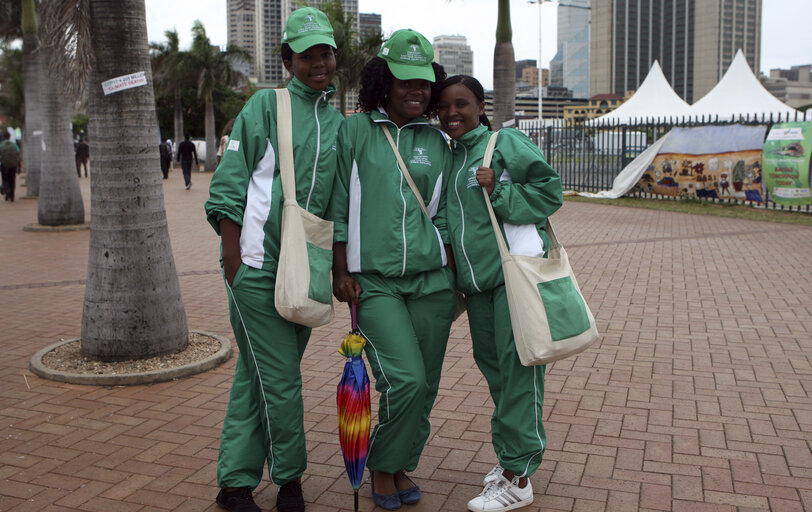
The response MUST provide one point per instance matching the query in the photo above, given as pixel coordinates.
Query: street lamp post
(541, 89)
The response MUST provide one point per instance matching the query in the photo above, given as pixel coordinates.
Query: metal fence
(589, 156)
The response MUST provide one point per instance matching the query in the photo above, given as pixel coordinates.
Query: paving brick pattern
(696, 399)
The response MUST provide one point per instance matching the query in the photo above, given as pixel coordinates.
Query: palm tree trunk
(178, 117)
(211, 141)
(133, 306)
(60, 199)
(32, 79)
(32, 130)
(504, 69)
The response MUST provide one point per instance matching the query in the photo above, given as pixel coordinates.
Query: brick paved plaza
(696, 399)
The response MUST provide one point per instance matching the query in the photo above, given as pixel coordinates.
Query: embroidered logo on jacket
(472, 182)
(419, 157)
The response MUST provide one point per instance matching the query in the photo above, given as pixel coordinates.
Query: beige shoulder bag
(549, 315)
(303, 293)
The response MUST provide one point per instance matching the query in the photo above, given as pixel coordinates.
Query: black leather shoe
(290, 498)
(238, 500)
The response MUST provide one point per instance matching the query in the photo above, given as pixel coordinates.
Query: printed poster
(708, 162)
(786, 159)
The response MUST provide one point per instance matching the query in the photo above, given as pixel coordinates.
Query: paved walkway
(696, 399)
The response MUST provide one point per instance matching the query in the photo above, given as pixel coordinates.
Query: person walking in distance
(9, 163)
(82, 156)
(166, 157)
(187, 152)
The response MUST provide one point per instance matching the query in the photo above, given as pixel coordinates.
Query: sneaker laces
(496, 488)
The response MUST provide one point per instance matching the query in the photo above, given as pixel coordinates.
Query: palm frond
(65, 31)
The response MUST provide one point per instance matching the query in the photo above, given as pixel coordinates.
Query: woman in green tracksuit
(264, 419)
(524, 190)
(390, 258)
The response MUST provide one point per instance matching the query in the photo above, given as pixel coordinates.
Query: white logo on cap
(385, 51)
(310, 17)
(414, 47)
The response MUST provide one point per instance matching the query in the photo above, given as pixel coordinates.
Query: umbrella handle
(354, 315)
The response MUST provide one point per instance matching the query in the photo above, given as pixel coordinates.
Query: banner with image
(708, 162)
(786, 159)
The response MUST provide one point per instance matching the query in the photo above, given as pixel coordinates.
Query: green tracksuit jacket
(397, 256)
(375, 211)
(246, 187)
(528, 190)
(264, 419)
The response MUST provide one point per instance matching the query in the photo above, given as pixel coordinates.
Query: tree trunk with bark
(60, 199)
(32, 79)
(504, 69)
(211, 137)
(133, 307)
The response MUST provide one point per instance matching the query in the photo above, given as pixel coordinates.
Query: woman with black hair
(526, 192)
(390, 257)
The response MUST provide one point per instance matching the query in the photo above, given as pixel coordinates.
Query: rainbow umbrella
(354, 413)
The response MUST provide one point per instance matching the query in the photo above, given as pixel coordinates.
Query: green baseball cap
(409, 55)
(307, 27)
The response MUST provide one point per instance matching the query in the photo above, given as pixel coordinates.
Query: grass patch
(705, 208)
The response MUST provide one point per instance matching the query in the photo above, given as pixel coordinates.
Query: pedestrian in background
(186, 153)
(9, 165)
(82, 156)
(166, 157)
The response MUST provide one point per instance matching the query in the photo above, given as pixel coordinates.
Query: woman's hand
(486, 178)
(230, 235)
(345, 288)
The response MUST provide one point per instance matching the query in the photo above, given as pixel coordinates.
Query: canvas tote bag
(303, 294)
(460, 308)
(549, 315)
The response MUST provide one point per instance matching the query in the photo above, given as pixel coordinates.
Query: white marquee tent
(654, 99)
(739, 94)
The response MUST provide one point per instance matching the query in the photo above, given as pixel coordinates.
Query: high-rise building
(693, 40)
(368, 23)
(525, 63)
(454, 54)
(570, 66)
(242, 31)
(256, 26)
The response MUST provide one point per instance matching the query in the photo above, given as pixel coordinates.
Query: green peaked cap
(409, 55)
(307, 27)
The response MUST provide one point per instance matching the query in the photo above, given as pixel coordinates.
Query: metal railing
(589, 156)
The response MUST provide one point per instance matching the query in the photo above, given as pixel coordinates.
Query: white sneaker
(502, 495)
(493, 475)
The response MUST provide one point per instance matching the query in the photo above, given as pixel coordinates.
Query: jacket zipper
(318, 148)
(462, 218)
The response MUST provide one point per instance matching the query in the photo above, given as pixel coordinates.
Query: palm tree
(504, 68)
(352, 52)
(133, 306)
(213, 67)
(60, 199)
(32, 80)
(11, 86)
(170, 76)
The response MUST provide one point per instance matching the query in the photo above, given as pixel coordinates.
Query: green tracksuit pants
(517, 391)
(406, 322)
(264, 419)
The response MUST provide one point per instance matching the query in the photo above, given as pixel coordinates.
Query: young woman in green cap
(524, 190)
(264, 419)
(390, 257)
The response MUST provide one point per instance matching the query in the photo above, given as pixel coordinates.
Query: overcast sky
(786, 37)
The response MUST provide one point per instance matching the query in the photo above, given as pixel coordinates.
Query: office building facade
(454, 54)
(570, 66)
(693, 40)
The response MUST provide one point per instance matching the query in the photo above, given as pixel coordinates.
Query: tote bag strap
(500, 239)
(284, 142)
(405, 171)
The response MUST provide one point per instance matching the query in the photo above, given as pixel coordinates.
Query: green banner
(786, 158)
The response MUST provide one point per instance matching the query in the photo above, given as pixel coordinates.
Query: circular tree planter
(222, 355)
